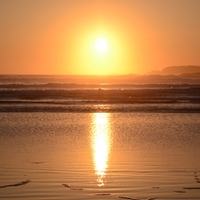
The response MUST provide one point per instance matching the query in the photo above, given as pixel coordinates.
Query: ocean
(99, 94)
(74, 137)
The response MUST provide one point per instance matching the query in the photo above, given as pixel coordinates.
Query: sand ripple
(16, 184)
(71, 188)
(125, 197)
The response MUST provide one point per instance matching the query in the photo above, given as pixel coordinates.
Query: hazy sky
(58, 36)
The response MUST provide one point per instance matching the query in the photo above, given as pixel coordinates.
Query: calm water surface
(100, 155)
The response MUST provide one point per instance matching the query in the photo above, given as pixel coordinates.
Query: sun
(101, 45)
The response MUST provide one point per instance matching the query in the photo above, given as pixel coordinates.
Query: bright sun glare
(101, 45)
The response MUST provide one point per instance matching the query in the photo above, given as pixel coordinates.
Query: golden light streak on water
(101, 144)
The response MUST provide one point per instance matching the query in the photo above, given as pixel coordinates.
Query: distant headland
(177, 70)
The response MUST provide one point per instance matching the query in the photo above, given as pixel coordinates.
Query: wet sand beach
(100, 156)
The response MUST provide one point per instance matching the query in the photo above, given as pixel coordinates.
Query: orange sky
(58, 36)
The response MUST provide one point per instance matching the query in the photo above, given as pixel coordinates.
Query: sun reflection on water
(101, 143)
